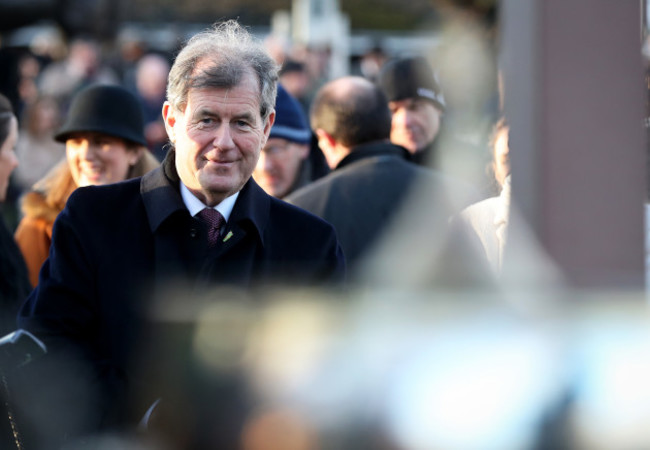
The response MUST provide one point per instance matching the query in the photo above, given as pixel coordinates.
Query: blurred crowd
(40, 80)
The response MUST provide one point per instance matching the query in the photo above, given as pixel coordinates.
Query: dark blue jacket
(116, 247)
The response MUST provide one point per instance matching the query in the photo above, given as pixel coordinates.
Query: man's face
(278, 166)
(218, 138)
(415, 123)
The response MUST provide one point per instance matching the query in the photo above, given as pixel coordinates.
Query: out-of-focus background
(557, 354)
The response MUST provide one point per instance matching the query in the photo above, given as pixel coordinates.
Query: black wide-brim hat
(106, 109)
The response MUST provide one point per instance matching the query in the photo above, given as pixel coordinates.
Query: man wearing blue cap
(284, 163)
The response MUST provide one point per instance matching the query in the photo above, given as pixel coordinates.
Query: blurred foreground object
(17, 349)
(410, 370)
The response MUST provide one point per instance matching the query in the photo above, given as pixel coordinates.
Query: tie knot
(215, 221)
(212, 217)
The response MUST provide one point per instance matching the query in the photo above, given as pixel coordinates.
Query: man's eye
(207, 120)
(242, 123)
(419, 104)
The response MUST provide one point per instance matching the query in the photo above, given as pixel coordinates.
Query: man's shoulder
(295, 215)
(386, 162)
(386, 169)
(303, 244)
(107, 191)
(106, 198)
(267, 211)
(312, 189)
(297, 233)
(325, 192)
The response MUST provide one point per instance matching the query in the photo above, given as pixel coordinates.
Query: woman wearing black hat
(105, 144)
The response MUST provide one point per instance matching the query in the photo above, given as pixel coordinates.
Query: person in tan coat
(104, 140)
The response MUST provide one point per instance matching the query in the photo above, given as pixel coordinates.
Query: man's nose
(223, 137)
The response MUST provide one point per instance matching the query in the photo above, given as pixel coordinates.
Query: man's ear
(327, 145)
(324, 139)
(169, 117)
(269, 124)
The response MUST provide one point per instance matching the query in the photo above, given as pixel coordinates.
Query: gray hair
(218, 58)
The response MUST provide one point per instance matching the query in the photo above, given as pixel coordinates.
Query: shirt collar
(194, 205)
(161, 194)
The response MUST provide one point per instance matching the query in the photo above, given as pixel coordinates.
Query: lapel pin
(228, 236)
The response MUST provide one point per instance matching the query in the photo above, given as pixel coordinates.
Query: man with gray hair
(199, 219)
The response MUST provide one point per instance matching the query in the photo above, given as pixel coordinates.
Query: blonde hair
(57, 185)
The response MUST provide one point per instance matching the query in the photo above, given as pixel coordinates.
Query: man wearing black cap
(417, 104)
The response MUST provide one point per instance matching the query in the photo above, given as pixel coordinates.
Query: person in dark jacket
(14, 284)
(371, 176)
(200, 219)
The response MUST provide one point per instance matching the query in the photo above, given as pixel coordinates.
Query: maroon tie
(214, 220)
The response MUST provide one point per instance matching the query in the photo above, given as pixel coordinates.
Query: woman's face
(96, 158)
(8, 160)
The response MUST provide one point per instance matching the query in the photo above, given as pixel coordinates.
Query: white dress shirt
(194, 205)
